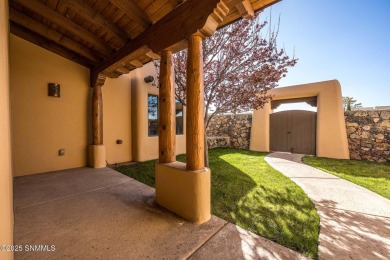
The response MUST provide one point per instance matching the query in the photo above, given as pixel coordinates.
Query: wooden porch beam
(90, 14)
(55, 17)
(245, 9)
(175, 3)
(49, 45)
(136, 63)
(122, 70)
(152, 55)
(205, 16)
(51, 34)
(257, 6)
(133, 11)
(99, 80)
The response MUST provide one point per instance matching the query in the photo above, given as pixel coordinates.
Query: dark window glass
(152, 115)
(179, 118)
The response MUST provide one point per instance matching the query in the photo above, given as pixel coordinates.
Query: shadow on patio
(346, 234)
(100, 213)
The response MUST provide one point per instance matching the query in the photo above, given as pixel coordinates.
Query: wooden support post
(195, 105)
(97, 115)
(97, 151)
(166, 115)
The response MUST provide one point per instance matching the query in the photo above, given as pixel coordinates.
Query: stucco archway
(331, 136)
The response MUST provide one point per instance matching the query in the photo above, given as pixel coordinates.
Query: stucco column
(97, 151)
(6, 193)
(195, 105)
(166, 108)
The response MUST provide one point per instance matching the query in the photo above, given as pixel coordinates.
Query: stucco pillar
(97, 151)
(166, 108)
(260, 129)
(6, 193)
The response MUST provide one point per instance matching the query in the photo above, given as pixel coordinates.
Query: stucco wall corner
(6, 181)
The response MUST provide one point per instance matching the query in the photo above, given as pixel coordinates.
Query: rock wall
(369, 134)
(229, 131)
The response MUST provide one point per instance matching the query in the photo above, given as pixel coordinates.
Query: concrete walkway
(355, 222)
(101, 214)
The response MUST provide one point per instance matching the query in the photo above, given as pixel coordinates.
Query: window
(179, 118)
(152, 115)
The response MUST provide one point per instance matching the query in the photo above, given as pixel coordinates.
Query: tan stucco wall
(117, 119)
(144, 147)
(41, 125)
(331, 135)
(6, 207)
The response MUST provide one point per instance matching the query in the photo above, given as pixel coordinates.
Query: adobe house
(61, 60)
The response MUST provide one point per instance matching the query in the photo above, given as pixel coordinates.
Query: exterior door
(293, 131)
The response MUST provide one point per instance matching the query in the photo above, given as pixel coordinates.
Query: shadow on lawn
(266, 203)
(280, 216)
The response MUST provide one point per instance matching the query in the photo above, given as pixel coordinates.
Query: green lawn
(246, 191)
(371, 175)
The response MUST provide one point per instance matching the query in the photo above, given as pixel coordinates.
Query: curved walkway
(354, 221)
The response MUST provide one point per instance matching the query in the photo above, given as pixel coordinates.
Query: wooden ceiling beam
(122, 70)
(261, 4)
(245, 9)
(152, 55)
(91, 15)
(49, 45)
(200, 17)
(257, 6)
(55, 17)
(135, 55)
(133, 11)
(136, 63)
(51, 34)
(175, 3)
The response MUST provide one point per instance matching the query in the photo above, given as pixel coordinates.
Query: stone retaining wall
(369, 134)
(229, 131)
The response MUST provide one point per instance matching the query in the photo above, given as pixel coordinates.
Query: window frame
(147, 107)
(182, 111)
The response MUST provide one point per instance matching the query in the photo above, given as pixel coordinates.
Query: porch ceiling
(113, 37)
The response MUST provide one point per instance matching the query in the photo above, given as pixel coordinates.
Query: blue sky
(347, 40)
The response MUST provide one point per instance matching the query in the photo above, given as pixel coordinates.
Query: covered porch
(87, 44)
(100, 213)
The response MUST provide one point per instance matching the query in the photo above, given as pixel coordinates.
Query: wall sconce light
(54, 90)
(149, 79)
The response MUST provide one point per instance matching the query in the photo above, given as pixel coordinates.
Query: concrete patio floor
(101, 214)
